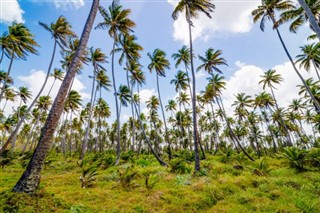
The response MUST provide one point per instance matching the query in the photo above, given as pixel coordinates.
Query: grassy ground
(236, 185)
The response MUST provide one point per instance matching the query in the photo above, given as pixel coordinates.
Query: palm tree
(211, 61)
(183, 56)
(312, 20)
(60, 31)
(97, 57)
(310, 54)
(57, 74)
(192, 9)
(180, 81)
(19, 42)
(159, 63)
(124, 96)
(299, 16)
(269, 79)
(30, 179)
(116, 20)
(267, 11)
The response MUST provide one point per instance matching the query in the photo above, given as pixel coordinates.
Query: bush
(314, 157)
(260, 167)
(179, 166)
(126, 175)
(296, 158)
(88, 173)
(6, 158)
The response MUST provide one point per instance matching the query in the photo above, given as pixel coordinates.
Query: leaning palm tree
(19, 42)
(57, 74)
(30, 179)
(312, 19)
(116, 20)
(192, 9)
(60, 31)
(270, 78)
(310, 55)
(267, 11)
(159, 63)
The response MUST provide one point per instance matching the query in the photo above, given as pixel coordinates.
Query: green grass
(219, 187)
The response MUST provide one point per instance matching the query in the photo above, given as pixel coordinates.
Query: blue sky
(249, 51)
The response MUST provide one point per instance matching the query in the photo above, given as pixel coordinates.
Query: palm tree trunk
(30, 179)
(317, 105)
(85, 141)
(117, 105)
(13, 135)
(164, 120)
(281, 120)
(316, 69)
(3, 89)
(161, 162)
(194, 113)
(1, 58)
(132, 112)
(312, 19)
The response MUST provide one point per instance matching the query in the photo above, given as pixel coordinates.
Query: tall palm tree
(267, 11)
(298, 15)
(269, 79)
(30, 179)
(310, 54)
(97, 57)
(57, 74)
(116, 20)
(192, 9)
(312, 20)
(159, 63)
(20, 41)
(211, 61)
(60, 31)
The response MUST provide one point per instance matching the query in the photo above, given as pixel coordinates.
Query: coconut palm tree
(298, 15)
(57, 74)
(192, 9)
(60, 31)
(310, 55)
(270, 78)
(159, 63)
(312, 17)
(116, 20)
(30, 179)
(19, 42)
(97, 58)
(211, 61)
(267, 11)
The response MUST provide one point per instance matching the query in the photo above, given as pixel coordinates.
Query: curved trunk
(13, 135)
(117, 105)
(194, 113)
(132, 112)
(30, 179)
(281, 120)
(312, 19)
(164, 120)
(84, 144)
(315, 102)
(316, 69)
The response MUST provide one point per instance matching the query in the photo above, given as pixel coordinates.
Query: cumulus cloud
(34, 83)
(228, 17)
(145, 94)
(247, 78)
(10, 11)
(69, 4)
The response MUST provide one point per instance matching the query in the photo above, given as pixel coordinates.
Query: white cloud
(145, 94)
(69, 4)
(200, 74)
(247, 77)
(34, 83)
(10, 11)
(228, 17)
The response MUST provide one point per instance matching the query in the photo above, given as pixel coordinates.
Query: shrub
(260, 167)
(6, 158)
(183, 180)
(126, 175)
(179, 166)
(314, 157)
(88, 173)
(296, 158)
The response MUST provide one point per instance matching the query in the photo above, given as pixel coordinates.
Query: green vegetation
(140, 184)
